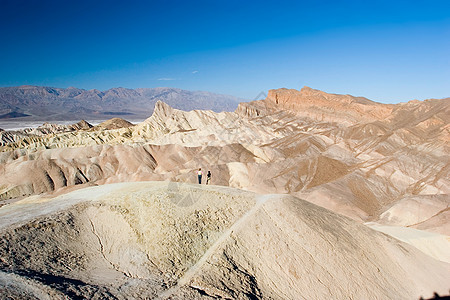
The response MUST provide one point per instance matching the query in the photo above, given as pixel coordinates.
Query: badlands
(313, 196)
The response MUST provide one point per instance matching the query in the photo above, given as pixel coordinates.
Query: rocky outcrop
(320, 106)
(8, 137)
(28, 134)
(253, 109)
(48, 128)
(114, 123)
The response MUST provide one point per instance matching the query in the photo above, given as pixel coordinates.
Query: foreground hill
(160, 240)
(47, 103)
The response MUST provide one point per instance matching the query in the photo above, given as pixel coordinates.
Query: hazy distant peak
(49, 103)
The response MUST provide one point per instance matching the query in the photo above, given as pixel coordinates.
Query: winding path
(260, 200)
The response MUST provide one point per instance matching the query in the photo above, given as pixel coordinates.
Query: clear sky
(387, 51)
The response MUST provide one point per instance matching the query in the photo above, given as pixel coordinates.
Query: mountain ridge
(50, 103)
(348, 110)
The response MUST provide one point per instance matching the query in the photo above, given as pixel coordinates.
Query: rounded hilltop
(168, 240)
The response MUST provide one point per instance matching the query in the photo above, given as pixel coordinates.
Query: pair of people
(200, 174)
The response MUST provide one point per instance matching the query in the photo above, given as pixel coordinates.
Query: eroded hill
(293, 142)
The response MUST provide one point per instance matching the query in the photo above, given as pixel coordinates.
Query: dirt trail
(190, 273)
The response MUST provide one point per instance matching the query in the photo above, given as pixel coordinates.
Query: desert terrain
(313, 196)
(29, 104)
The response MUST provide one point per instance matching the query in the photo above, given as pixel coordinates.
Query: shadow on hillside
(436, 296)
(73, 288)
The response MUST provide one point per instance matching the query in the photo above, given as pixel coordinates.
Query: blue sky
(387, 51)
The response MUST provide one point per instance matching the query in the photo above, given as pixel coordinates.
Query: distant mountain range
(47, 103)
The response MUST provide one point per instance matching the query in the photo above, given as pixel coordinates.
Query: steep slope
(321, 106)
(168, 240)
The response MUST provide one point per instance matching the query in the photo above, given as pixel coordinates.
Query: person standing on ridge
(208, 177)
(200, 173)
